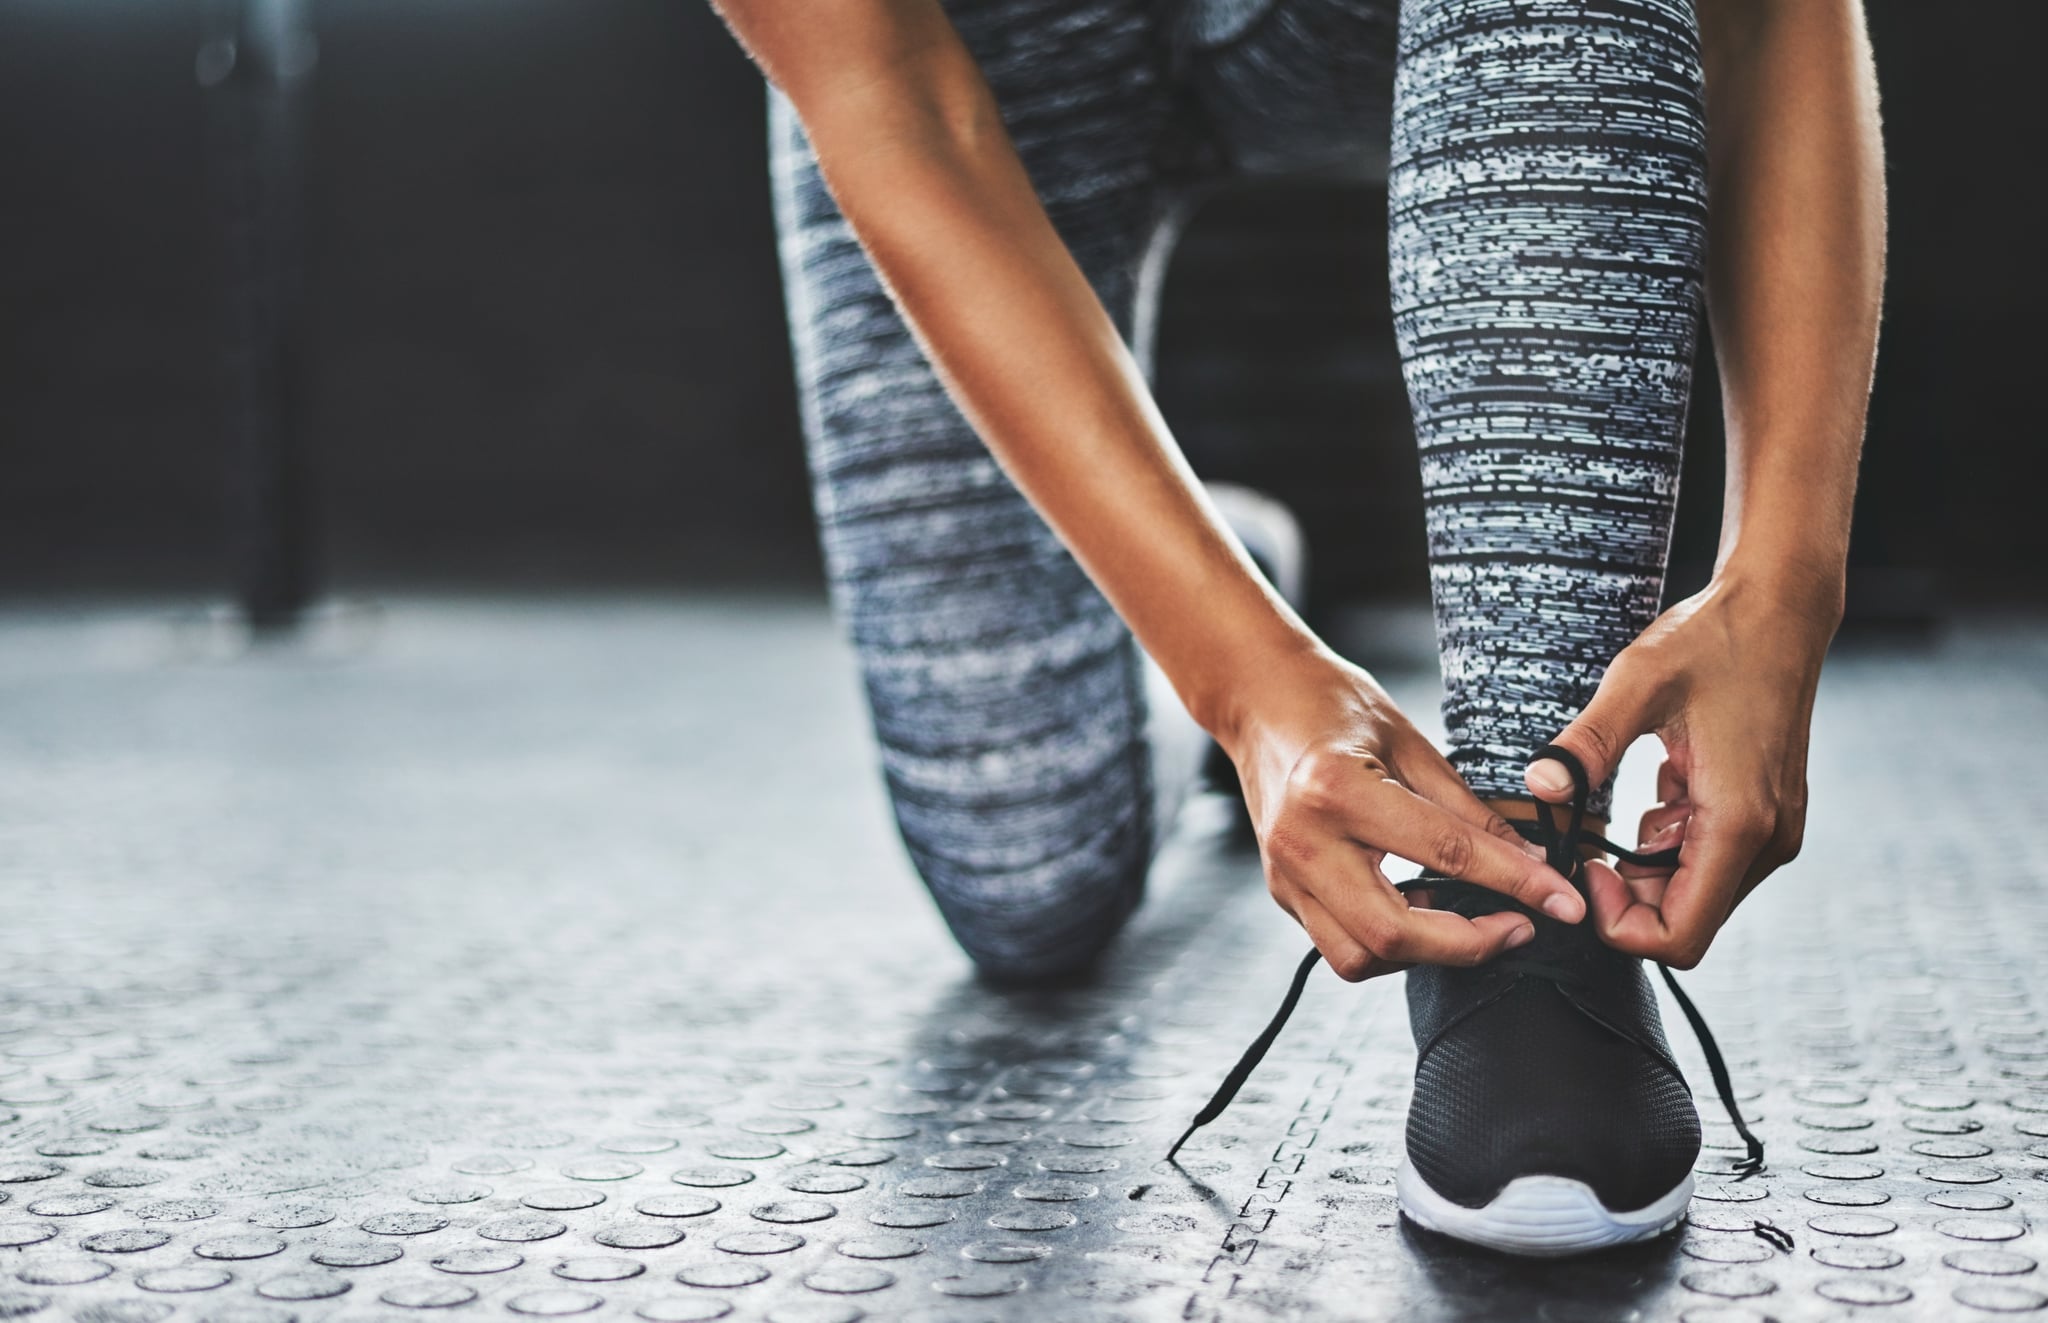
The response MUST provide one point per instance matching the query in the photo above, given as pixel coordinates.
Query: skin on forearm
(910, 141)
(1795, 275)
(1032, 359)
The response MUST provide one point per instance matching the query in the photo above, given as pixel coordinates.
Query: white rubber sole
(1545, 1217)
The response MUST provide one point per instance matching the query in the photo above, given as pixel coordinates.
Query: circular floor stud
(2001, 1298)
(71, 1205)
(1989, 1262)
(1727, 1249)
(198, 1277)
(522, 1228)
(638, 1235)
(683, 1309)
(1863, 1291)
(849, 1279)
(449, 1192)
(978, 1286)
(291, 1217)
(815, 1311)
(555, 1303)
(1033, 1219)
(712, 1178)
(469, 1261)
(912, 1216)
(759, 1242)
(1728, 1283)
(428, 1295)
(722, 1276)
(14, 1235)
(303, 1286)
(596, 1269)
(64, 1272)
(1980, 1228)
(127, 1241)
(881, 1247)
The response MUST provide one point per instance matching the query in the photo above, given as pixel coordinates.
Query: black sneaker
(1548, 1116)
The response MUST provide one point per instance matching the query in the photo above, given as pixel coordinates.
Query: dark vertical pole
(255, 63)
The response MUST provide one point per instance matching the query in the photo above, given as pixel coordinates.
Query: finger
(1342, 952)
(1611, 898)
(1719, 854)
(1669, 837)
(1627, 704)
(1624, 907)
(1359, 897)
(1657, 823)
(1434, 779)
(1396, 819)
(1670, 782)
(1645, 885)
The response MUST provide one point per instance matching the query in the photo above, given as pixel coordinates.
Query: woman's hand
(1727, 679)
(1336, 780)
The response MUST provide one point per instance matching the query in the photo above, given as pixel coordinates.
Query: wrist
(1809, 589)
(1244, 701)
(1790, 550)
(1232, 700)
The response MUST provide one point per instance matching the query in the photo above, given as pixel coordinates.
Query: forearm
(1794, 278)
(922, 169)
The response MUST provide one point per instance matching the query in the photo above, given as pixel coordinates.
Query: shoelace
(1562, 848)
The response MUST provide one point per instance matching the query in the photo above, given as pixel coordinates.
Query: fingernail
(1534, 851)
(1550, 775)
(1566, 908)
(1521, 937)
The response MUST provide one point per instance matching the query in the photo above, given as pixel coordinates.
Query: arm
(910, 141)
(1794, 277)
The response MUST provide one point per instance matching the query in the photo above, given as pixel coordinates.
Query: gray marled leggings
(1547, 180)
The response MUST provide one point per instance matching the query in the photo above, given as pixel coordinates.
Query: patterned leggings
(1547, 206)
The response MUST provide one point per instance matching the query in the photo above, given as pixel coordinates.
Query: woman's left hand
(1727, 679)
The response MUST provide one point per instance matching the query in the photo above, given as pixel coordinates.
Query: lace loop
(1562, 846)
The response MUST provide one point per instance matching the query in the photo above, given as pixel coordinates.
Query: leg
(1007, 697)
(1547, 234)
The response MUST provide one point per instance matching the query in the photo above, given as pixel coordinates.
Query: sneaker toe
(1530, 1084)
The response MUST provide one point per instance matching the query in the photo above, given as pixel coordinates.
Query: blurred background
(303, 299)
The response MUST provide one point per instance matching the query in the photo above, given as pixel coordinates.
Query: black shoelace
(1562, 847)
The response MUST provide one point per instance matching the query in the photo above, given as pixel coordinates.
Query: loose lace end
(1254, 1054)
(1753, 1162)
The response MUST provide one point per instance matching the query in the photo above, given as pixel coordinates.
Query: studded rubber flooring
(512, 959)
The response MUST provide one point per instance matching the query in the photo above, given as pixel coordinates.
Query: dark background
(543, 342)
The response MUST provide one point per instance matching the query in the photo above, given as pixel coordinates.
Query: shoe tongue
(1564, 952)
(1606, 984)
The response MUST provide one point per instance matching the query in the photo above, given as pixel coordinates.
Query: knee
(1044, 925)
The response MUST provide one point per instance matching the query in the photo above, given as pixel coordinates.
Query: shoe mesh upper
(1521, 1074)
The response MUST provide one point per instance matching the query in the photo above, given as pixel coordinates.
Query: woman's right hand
(1337, 779)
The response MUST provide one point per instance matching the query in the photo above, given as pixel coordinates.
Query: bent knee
(1035, 929)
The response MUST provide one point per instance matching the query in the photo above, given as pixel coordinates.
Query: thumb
(1622, 708)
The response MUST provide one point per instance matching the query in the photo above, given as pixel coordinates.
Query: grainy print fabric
(1548, 227)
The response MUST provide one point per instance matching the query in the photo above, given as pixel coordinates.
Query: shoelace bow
(1562, 847)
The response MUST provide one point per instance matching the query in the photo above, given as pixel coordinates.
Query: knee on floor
(1042, 926)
